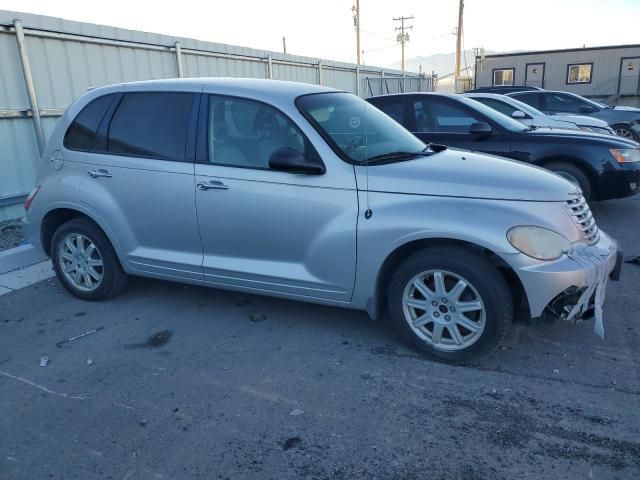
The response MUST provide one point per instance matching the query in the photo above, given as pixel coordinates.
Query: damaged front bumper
(573, 286)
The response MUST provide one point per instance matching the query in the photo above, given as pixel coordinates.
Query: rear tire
(85, 262)
(574, 174)
(464, 317)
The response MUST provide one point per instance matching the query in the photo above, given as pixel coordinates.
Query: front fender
(398, 219)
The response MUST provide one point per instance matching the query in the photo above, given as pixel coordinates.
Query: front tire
(625, 132)
(451, 303)
(574, 174)
(85, 261)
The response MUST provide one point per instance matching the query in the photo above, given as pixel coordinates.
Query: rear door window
(435, 115)
(83, 130)
(151, 125)
(530, 98)
(394, 107)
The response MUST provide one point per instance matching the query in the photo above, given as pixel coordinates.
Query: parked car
(527, 115)
(625, 121)
(504, 89)
(304, 192)
(604, 166)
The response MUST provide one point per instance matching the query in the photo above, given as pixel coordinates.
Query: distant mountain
(440, 63)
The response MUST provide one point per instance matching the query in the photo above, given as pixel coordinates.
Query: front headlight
(593, 129)
(625, 155)
(538, 242)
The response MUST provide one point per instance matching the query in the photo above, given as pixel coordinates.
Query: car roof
(434, 94)
(261, 84)
(275, 92)
(505, 88)
(522, 92)
(497, 96)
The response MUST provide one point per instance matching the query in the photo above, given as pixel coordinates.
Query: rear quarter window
(83, 130)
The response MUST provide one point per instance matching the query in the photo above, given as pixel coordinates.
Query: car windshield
(357, 130)
(500, 118)
(603, 105)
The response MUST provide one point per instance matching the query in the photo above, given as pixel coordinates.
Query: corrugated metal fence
(46, 62)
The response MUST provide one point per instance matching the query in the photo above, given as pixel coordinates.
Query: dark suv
(625, 121)
(604, 166)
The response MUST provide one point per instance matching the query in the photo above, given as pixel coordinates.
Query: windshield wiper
(399, 155)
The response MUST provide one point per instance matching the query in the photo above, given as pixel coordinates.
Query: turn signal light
(32, 195)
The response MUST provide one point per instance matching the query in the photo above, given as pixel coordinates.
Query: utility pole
(402, 37)
(356, 23)
(458, 43)
(284, 44)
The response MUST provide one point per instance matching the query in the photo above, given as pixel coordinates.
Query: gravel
(10, 234)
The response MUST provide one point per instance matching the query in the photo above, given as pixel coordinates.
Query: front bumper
(620, 182)
(545, 283)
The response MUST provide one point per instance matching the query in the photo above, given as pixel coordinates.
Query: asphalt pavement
(174, 382)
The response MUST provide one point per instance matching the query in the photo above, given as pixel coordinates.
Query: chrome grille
(582, 216)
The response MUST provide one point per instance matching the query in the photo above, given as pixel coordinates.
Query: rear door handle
(101, 172)
(212, 185)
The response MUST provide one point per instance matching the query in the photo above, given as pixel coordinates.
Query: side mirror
(587, 109)
(519, 115)
(480, 128)
(291, 161)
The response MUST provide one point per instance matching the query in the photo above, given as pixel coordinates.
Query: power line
(378, 49)
(403, 37)
(377, 35)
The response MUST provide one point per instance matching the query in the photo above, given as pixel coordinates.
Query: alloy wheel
(81, 262)
(444, 310)
(624, 133)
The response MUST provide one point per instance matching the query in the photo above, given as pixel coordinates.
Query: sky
(325, 28)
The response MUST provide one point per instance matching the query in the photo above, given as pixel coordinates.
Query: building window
(579, 73)
(502, 77)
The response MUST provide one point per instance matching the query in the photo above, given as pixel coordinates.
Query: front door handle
(212, 185)
(101, 172)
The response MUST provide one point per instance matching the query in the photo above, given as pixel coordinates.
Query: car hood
(623, 108)
(581, 120)
(461, 173)
(603, 139)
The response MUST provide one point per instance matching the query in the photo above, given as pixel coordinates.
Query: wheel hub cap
(81, 262)
(444, 310)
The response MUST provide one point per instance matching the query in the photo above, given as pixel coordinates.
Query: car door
(139, 182)
(441, 120)
(266, 230)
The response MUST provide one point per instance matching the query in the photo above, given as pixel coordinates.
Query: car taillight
(32, 195)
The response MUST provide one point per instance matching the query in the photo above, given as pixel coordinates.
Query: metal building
(46, 62)
(609, 74)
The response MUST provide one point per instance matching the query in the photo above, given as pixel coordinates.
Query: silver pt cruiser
(309, 193)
